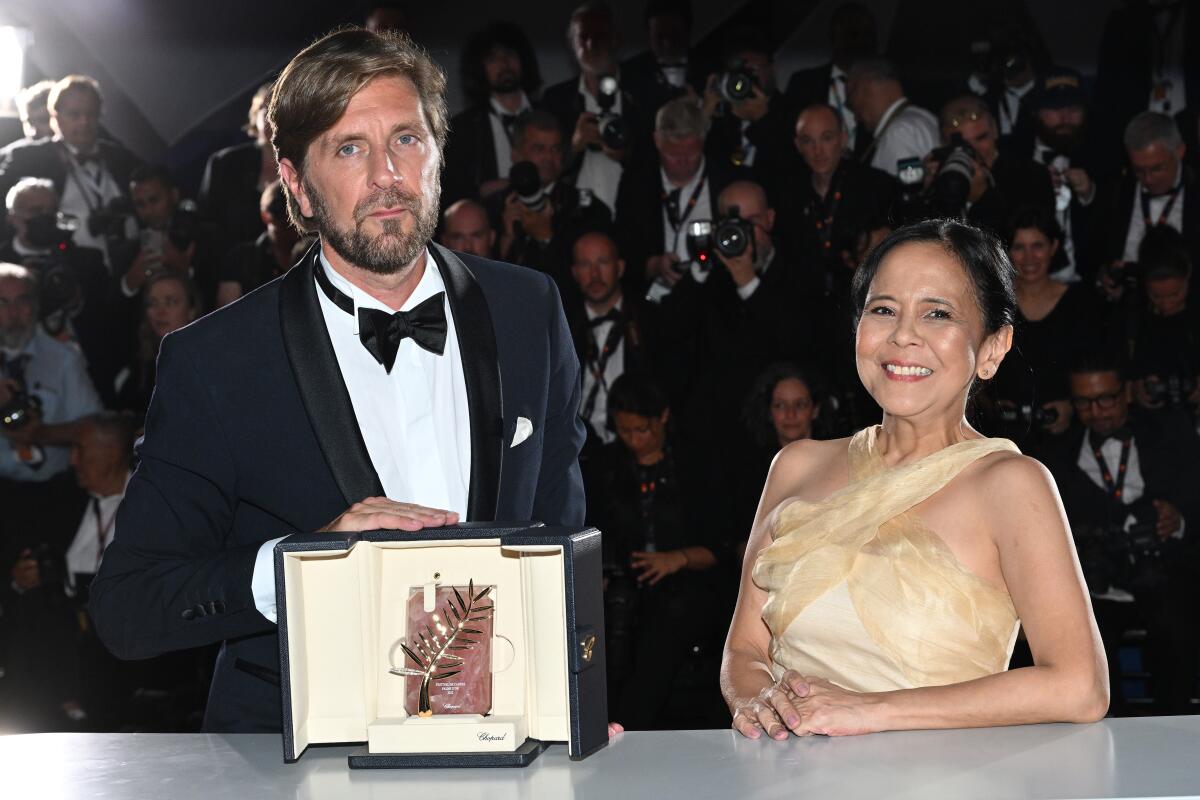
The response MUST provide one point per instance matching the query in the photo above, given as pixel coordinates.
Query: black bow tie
(382, 331)
(613, 315)
(1097, 440)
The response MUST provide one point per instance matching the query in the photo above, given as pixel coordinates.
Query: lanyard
(598, 362)
(1166, 211)
(677, 219)
(91, 188)
(1115, 488)
(102, 529)
(824, 224)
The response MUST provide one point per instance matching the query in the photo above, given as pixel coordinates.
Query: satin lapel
(320, 383)
(481, 369)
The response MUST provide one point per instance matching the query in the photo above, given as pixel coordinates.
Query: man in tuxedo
(88, 172)
(500, 74)
(376, 385)
(668, 69)
(658, 199)
(852, 35)
(1128, 486)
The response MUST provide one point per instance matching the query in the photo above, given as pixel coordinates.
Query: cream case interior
(345, 610)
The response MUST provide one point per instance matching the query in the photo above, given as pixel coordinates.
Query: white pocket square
(524, 428)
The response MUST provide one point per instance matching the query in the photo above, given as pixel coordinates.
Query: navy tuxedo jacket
(251, 435)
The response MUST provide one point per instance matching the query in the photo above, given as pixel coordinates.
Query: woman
(891, 569)
(171, 301)
(1055, 322)
(647, 495)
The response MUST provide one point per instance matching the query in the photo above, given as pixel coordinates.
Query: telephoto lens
(523, 178)
(737, 84)
(732, 235)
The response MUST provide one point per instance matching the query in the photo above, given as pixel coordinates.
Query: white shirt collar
(502, 111)
(103, 498)
(836, 72)
(1022, 90)
(430, 284)
(593, 314)
(887, 115)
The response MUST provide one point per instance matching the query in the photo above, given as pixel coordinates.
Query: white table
(1148, 757)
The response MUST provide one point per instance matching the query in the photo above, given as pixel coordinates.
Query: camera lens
(732, 238)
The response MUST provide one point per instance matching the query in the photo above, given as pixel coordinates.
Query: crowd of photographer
(702, 225)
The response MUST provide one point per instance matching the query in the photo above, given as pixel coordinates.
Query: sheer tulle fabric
(923, 619)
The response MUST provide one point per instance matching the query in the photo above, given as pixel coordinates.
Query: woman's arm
(1069, 679)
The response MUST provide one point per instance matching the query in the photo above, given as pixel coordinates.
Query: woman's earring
(987, 373)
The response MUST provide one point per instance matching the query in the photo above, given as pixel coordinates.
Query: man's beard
(390, 251)
(15, 339)
(506, 82)
(1063, 139)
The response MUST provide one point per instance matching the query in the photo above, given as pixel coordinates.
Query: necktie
(673, 207)
(382, 331)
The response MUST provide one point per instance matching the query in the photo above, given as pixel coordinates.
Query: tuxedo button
(188, 614)
(216, 607)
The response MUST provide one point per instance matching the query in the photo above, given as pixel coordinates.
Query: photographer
(1155, 190)
(467, 228)
(998, 183)
(33, 112)
(751, 122)
(90, 175)
(500, 74)
(251, 264)
(1128, 486)
(667, 69)
(543, 210)
(605, 124)
(76, 298)
(900, 131)
(171, 236)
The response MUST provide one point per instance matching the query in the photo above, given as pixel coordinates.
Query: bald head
(467, 229)
(748, 196)
(820, 139)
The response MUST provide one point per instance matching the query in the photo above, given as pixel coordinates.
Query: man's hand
(8, 387)
(144, 265)
(380, 513)
(28, 434)
(587, 131)
(176, 260)
(1169, 518)
(539, 224)
(1080, 182)
(981, 180)
(511, 214)
(1063, 420)
(1110, 284)
(1142, 394)
(741, 268)
(653, 567)
(712, 97)
(665, 267)
(494, 185)
(754, 107)
(25, 572)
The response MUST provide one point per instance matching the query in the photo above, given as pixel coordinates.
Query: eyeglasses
(956, 120)
(1104, 401)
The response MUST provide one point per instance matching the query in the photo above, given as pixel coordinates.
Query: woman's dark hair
(1035, 217)
(633, 393)
(756, 411)
(497, 34)
(979, 252)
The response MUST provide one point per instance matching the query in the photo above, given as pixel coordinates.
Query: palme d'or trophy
(454, 641)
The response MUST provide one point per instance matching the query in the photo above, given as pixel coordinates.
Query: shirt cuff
(262, 582)
(125, 290)
(1178, 534)
(750, 288)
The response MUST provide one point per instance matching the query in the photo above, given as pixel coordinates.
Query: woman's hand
(773, 710)
(828, 709)
(653, 567)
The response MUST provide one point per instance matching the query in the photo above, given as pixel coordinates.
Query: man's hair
(73, 83)
(659, 8)
(679, 119)
(1151, 127)
(1099, 359)
(145, 173)
(874, 69)
(635, 393)
(10, 270)
(316, 86)
(1163, 254)
(33, 96)
(261, 99)
(116, 428)
(841, 123)
(597, 8)
(273, 201)
(537, 120)
(963, 105)
(24, 185)
(474, 53)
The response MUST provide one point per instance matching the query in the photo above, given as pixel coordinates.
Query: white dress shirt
(1171, 77)
(500, 139)
(1010, 105)
(837, 98)
(904, 131)
(613, 369)
(415, 422)
(675, 240)
(88, 187)
(1063, 197)
(1137, 223)
(597, 171)
(94, 534)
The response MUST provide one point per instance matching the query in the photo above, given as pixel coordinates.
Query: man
(1000, 183)
(88, 173)
(80, 302)
(658, 200)
(467, 229)
(754, 133)
(1009, 78)
(900, 131)
(611, 332)
(33, 112)
(836, 197)
(251, 264)
(852, 35)
(1128, 486)
(668, 69)
(500, 74)
(1059, 125)
(537, 230)
(576, 104)
(235, 177)
(1153, 191)
(748, 311)
(315, 404)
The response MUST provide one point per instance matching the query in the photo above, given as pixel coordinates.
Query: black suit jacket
(47, 158)
(1018, 182)
(1114, 209)
(470, 154)
(251, 435)
(229, 194)
(809, 86)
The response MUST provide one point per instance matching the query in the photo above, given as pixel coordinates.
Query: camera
(111, 220)
(613, 130)
(58, 286)
(1171, 390)
(736, 84)
(1030, 415)
(183, 229)
(525, 182)
(1131, 556)
(947, 194)
(15, 414)
(731, 236)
